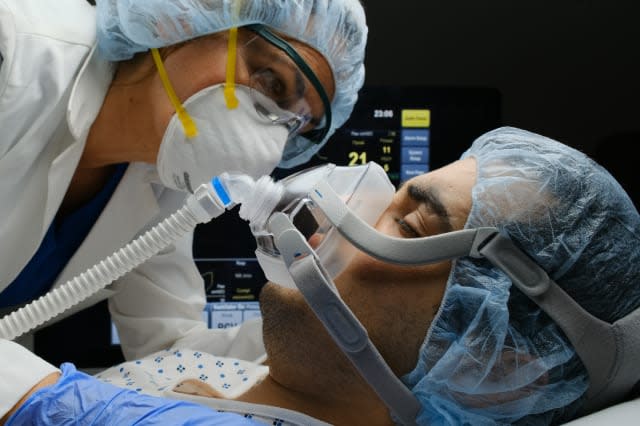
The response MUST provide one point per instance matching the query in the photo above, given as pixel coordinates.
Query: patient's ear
(196, 387)
(513, 361)
(510, 362)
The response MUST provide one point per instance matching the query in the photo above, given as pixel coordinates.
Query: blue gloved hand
(80, 399)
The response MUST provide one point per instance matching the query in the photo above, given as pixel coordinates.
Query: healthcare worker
(106, 128)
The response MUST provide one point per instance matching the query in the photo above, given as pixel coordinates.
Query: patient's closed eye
(405, 229)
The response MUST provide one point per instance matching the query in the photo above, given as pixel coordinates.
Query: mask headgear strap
(414, 251)
(340, 322)
(609, 352)
(188, 125)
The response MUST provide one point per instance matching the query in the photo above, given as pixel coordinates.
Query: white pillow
(623, 414)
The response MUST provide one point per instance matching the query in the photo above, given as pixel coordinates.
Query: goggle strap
(345, 329)
(188, 125)
(230, 83)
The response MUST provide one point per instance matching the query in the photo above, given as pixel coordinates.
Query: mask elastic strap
(188, 125)
(230, 83)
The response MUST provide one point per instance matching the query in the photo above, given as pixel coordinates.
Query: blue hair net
(335, 28)
(491, 356)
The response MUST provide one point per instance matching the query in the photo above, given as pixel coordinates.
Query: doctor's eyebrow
(429, 198)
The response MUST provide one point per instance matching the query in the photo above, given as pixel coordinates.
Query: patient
(470, 346)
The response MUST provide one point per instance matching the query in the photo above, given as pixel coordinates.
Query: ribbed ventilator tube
(99, 276)
(210, 200)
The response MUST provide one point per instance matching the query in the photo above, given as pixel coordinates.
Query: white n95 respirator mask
(236, 140)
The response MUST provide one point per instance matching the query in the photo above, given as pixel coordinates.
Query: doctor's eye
(269, 83)
(406, 229)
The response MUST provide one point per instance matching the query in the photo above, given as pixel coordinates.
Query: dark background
(568, 69)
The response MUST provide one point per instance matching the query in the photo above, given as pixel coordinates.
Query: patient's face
(396, 304)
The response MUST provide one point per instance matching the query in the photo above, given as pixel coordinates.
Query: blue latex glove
(80, 399)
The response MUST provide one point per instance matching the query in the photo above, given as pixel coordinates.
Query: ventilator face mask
(365, 189)
(323, 216)
(325, 203)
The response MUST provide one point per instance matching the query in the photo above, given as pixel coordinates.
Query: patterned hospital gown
(167, 373)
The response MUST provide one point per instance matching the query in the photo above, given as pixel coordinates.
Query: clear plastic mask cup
(365, 189)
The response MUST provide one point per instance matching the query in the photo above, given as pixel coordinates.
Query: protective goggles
(281, 85)
(332, 206)
(264, 83)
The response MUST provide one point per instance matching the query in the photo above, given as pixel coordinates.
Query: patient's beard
(302, 356)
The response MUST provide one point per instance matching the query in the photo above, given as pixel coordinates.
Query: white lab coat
(52, 86)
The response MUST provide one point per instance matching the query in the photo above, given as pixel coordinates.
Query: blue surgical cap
(335, 28)
(491, 356)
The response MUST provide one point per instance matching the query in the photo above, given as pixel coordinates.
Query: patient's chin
(274, 297)
(280, 306)
(295, 340)
(288, 320)
(285, 291)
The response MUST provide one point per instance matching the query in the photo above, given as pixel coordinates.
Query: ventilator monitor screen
(407, 130)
